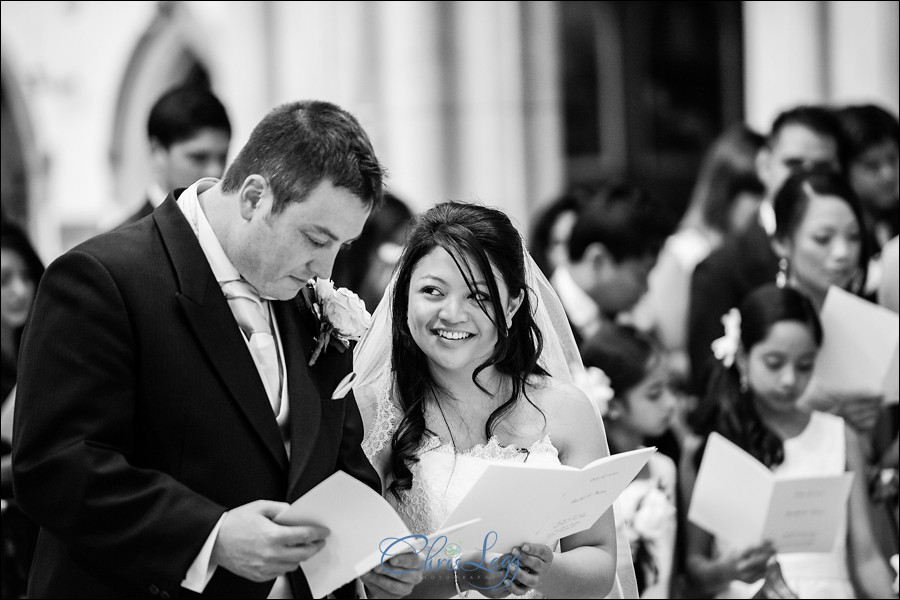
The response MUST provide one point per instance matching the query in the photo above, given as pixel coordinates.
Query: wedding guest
(820, 234)
(724, 203)
(462, 367)
(820, 240)
(627, 371)
(767, 357)
(548, 243)
(871, 157)
(189, 132)
(366, 265)
(804, 137)
(613, 245)
(20, 272)
(167, 410)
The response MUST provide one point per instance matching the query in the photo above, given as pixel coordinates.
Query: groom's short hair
(300, 144)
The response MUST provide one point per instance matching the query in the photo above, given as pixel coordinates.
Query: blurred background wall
(502, 102)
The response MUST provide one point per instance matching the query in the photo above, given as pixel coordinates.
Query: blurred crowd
(775, 219)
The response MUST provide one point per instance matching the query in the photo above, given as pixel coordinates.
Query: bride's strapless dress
(442, 477)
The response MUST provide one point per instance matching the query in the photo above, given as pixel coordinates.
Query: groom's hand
(251, 545)
(396, 578)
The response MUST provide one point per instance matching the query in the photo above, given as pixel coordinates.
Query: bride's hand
(534, 561)
(516, 572)
(491, 575)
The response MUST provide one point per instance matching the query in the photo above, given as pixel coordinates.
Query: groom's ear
(251, 195)
(512, 306)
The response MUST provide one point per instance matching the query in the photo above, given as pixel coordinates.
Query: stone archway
(165, 55)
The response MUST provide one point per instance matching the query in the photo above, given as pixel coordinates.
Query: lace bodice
(442, 477)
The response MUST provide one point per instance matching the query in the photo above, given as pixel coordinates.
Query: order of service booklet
(530, 503)
(859, 352)
(738, 499)
(509, 504)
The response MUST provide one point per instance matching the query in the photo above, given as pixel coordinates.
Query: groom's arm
(351, 458)
(75, 429)
(402, 573)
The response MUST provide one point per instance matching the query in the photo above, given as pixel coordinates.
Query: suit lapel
(211, 319)
(303, 394)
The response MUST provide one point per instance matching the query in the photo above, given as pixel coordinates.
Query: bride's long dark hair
(477, 237)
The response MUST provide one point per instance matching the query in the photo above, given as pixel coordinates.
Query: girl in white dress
(767, 358)
(452, 377)
(628, 369)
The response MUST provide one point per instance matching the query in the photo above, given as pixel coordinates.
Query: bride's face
(445, 317)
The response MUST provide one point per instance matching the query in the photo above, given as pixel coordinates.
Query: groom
(156, 437)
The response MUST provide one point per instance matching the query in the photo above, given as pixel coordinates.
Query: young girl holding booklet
(767, 357)
(628, 375)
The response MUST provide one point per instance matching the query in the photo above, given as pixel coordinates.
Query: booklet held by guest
(859, 352)
(738, 499)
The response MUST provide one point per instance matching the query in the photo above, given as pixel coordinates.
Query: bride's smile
(452, 322)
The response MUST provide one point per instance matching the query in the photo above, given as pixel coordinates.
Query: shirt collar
(189, 203)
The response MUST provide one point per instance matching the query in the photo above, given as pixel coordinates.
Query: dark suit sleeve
(352, 458)
(711, 297)
(354, 462)
(76, 426)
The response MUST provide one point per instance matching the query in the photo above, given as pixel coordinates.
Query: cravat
(253, 319)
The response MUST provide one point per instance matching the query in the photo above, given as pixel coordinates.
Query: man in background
(189, 133)
(613, 245)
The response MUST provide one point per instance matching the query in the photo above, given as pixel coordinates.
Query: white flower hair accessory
(595, 383)
(725, 348)
(342, 315)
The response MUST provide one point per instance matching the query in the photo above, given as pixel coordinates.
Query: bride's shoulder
(562, 401)
(571, 422)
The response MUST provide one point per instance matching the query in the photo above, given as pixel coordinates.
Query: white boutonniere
(341, 314)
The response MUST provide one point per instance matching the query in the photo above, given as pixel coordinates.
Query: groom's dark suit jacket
(141, 417)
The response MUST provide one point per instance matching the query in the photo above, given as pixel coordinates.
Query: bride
(463, 367)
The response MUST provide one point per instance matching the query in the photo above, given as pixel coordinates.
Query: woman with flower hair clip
(627, 373)
(766, 360)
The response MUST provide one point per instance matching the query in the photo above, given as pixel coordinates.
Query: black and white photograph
(444, 299)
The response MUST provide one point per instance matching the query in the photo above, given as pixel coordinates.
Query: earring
(781, 279)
